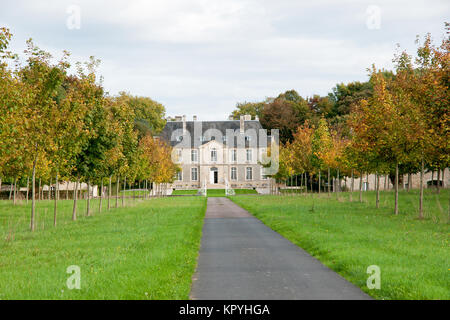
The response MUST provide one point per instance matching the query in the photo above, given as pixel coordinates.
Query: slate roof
(221, 126)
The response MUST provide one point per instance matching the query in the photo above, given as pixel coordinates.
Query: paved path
(241, 258)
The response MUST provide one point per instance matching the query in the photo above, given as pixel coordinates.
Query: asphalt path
(242, 259)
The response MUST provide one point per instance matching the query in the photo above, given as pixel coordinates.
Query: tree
(301, 150)
(149, 114)
(252, 108)
(425, 83)
(42, 80)
(383, 129)
(156, 160)
(321, 145)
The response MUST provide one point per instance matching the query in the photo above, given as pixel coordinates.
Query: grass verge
(413, 254)
(147, 251)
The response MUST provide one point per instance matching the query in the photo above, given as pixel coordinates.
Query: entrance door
(214, 176)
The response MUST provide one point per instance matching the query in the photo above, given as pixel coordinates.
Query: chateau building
(217, 153)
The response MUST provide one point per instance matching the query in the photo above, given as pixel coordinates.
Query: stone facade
(369, 182)
(210, 152)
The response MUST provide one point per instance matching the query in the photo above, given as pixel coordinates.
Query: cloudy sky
(200, 57)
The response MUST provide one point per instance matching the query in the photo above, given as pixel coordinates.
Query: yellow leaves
(157, 162)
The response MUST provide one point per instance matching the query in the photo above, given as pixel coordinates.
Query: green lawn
(184, 192)
(133, 193)
(413, 254)
(145, 251)
(214, 192)
(221, 192)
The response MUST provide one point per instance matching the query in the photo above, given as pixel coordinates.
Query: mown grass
(184, 192)
(145, 251)
(134, 193)
(413, 254)
(221, 192)
(214, 192)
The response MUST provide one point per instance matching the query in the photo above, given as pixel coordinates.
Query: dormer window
(248, 138)
(179, 138)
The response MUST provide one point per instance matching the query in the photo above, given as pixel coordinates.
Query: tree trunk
(385, 182)
(409, 182)
(311, 184)
(145, 188)
(117, 191)
(109, 193)
(443, 178)
(50, 190)
(28, 187)
(377, 202)
(56, 200)
(319, 181)
(75, 198)
(33, 196)
(367, 182)
(101, 197)
(352, 186)
(14, 192)
(10, 191)
(124, 189)
(301, 183)
(396, 189)
(338, 183)
(39, 191)
(360, 187)
(421, 190)
(438, 180)
(88, 200)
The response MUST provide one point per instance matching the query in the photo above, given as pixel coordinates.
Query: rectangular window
(249, 154)
(233, 155)
(213, 154)
(248, 173)
(233, 173)
(179, 176)
(194, 155)
(194, 174)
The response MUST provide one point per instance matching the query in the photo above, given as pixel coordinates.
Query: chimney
(194, 118)
(241, 120)
(184, 124)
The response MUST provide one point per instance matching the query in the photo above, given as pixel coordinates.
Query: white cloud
(202, 56)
